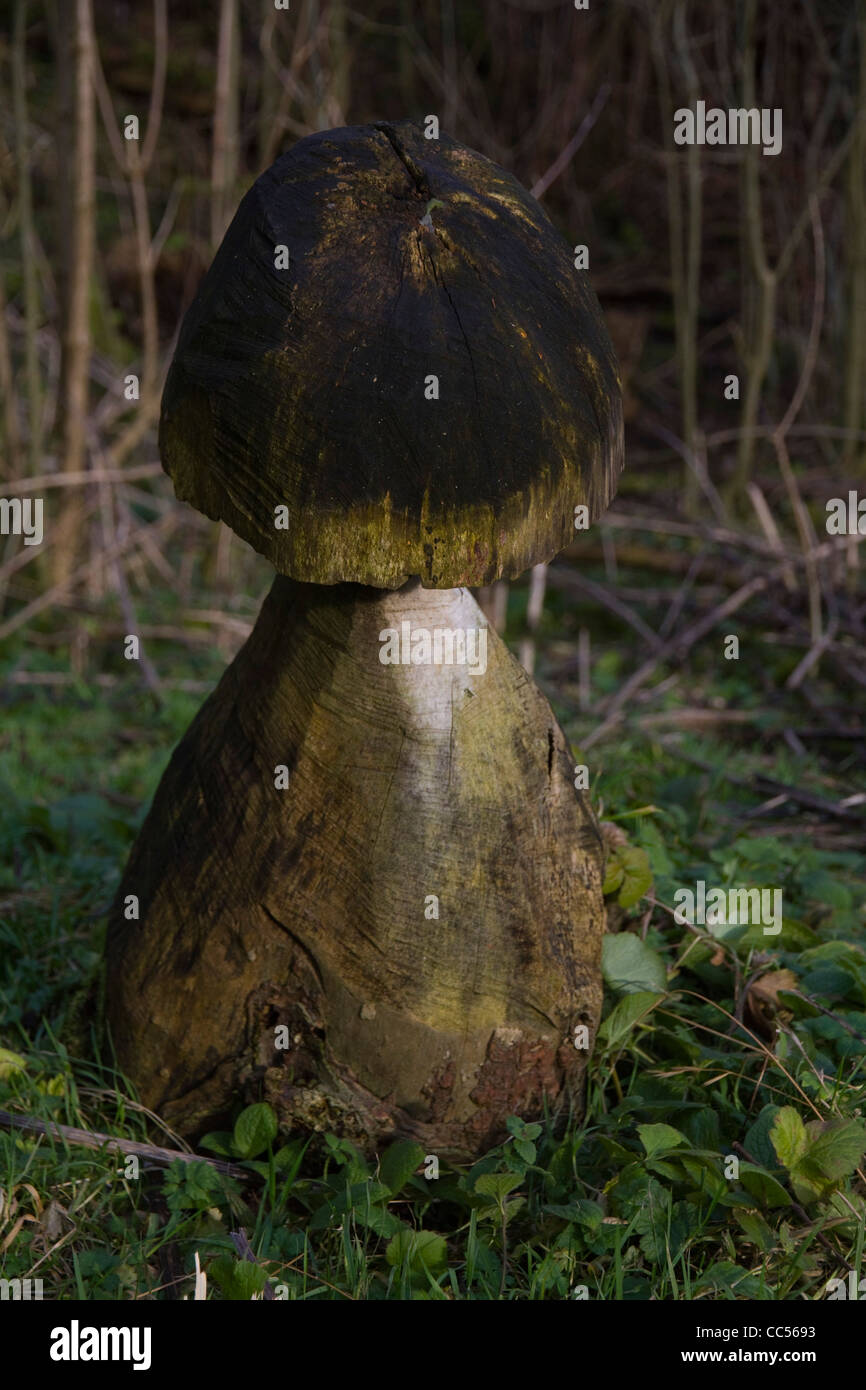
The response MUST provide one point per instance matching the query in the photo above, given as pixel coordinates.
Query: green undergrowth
(721, 1153)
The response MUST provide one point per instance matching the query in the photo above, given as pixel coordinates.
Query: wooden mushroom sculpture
(367, 889)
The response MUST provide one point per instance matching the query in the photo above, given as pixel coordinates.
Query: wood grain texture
(305, 387)
(305, 907)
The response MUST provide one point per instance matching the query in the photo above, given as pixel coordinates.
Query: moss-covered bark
(311, 907)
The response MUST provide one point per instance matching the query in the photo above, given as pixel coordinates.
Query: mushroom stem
(367, 888)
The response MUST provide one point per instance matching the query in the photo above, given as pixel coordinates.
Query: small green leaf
(10, 1063)
(398, 1163)
(613, 875)
(378, 1219)
(526, 1149)
(238, 1280)
(629, 965)
(757, 1141)
(626, 1015)
(704, 1173)
(755, 1229)
(637, 876)
(763, 1186)
(659, 1138)
(498, 1185)
(582, 1212)
(255, 1128)
(421, 1250)
(726, 1277)
(789, 1136)
(218, 1142)
(834, 1151)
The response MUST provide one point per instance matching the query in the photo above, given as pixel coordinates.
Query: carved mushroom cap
(304, 374)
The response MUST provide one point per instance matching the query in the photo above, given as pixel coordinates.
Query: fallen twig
(92, 1139)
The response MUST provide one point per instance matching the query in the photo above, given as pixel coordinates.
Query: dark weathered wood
(305, 386)
(306, 907)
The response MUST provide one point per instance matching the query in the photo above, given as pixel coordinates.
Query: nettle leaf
(10, 1063)
(763, 1186)
(818, 1155)
(218, 1142)
(343, 1152)
(195, 1186)
(379, 1220)
(755, 1229)
(498, 1185)
(660, 861)
(829, 981)
(238, 1280)
(834, 1151)
(398, 1163)
(789, 1137)
(674, 1172)
(769, 852)
(705, 1175)
(626, 1015)
(364, 1199)
(758, 1141)
(255, 1128)
(581, 1212)
(520, 1129)
(824, 887)
(839, 954)
(629, 964)
(628, 874)
(659, 1138)
(665, 1230)
(620, 1155)
(613, 873)
(795, 934)
(701, 1128)
(637, 876)
(421, 1250)
(726, 1277)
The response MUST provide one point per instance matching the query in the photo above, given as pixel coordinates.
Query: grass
(720, 1153)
